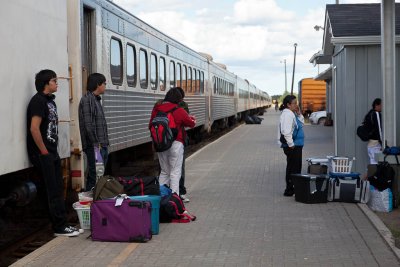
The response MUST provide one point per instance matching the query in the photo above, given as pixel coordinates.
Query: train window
(184, 72)
(162, 74)
(194, 80)
(198, 82)
(202, 82)
(178, 75)
(172, 74)
(153, 71)
(215, 85)
(189, 79)
(144, 78)
(116, 61)
(131, 65)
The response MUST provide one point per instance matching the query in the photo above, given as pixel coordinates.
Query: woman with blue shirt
(292, 139)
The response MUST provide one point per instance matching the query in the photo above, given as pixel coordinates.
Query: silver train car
(78, 37)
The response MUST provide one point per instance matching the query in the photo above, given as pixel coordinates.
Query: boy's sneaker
(184, 198)
(73, 228)
(66, 231)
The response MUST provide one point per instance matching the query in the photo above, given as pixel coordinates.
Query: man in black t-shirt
(42, 142)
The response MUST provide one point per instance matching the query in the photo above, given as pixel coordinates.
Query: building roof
(349, 20)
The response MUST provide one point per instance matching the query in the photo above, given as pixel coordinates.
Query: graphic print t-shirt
(43, 106)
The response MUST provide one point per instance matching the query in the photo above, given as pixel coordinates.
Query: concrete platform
(236, 190)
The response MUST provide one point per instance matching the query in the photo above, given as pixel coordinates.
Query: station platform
(236, 189)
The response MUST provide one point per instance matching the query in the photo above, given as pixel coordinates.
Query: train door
(82, 60)
(88, 44)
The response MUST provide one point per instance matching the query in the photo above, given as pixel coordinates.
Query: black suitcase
(310, 188)
(140, 186)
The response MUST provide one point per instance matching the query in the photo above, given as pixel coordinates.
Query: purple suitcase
(130, 222)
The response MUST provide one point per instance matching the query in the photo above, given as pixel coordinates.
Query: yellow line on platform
(123, 255)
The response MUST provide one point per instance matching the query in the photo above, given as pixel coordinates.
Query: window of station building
(131, 65)
(162, 74)
(171, 74)
(153, 71)
(184, 74)
(202, 82)
(116, 61)
(189, 79)
(143, 75)
(178, 75)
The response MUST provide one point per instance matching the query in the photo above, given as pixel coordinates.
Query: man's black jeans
(50, 168)
(293, 164)
(91, 160)
(182, 188)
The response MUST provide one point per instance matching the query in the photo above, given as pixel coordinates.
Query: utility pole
(294, 67)
(284, 62)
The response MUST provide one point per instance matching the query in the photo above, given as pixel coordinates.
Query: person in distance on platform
(374, 121)
(93, 125)
(42, 142)
(171, 159)
(291, 137)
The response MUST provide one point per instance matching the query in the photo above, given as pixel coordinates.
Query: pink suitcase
(129, 222)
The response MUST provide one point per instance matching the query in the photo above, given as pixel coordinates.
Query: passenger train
(77, 37)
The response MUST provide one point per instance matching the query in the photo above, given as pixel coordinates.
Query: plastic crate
(155, 210)
(340, 165)
(83, 214)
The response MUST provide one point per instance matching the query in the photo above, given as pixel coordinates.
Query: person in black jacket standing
(374, 121)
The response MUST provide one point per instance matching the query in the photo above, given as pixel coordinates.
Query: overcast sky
(251, 37)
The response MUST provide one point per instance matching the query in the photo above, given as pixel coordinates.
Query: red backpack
(163, 130)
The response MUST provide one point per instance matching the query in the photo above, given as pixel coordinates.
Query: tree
(284, 95)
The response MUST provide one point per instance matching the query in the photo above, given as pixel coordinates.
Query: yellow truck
(312, 95)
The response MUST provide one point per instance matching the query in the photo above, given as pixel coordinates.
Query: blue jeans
(91, 178)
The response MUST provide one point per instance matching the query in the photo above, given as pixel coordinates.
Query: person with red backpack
(167, 128)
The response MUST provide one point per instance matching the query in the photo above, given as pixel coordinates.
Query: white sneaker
(185, 199)
(66, 231)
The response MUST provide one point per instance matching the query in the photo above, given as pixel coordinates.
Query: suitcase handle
(138, 204)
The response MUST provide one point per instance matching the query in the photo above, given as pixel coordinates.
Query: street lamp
(294, 66)
(284, 61)
(317, 28)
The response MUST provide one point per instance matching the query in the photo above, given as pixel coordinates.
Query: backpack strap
(172, 110)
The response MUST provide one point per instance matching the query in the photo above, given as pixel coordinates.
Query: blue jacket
(298, 133)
